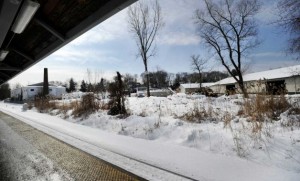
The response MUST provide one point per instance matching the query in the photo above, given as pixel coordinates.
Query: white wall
(219, 89)
(293, 84)
(57, 92)
(182, 89)
(29, 92)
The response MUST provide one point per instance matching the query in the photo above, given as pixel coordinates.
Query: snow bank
(156, 134)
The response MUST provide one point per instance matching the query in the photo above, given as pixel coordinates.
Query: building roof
(40, 84)
(196, 85)
(268, 74)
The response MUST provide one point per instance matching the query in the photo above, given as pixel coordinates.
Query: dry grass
(88, 105)
(262, 109)
(265, 107)
(43, 104)
(227, 120)
(197, 115)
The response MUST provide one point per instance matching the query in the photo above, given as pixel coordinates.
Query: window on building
(31, 90)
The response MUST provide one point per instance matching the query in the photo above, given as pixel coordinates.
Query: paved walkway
(29, 154)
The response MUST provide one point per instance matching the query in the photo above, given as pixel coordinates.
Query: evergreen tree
(116, 90)
(67, 87)
(83, 86)
(90, 87)
(4, 91)
(72, 85)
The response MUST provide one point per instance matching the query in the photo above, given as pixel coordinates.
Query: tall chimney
(45, 84)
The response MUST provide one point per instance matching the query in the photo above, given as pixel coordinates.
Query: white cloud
(113, 28)
(35, 74)
(178, 16)
(180, 27)
(75, 56)
(179, 38)
(96, 35)
(269, 54)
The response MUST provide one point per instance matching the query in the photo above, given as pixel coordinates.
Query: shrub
(117, 102)
(263, 107)
(43, 104)
(197, 115)
(86, 106)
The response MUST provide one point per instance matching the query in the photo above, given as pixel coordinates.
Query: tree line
(157, 79)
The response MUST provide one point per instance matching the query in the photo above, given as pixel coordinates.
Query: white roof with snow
(196, 85)
(268, 74)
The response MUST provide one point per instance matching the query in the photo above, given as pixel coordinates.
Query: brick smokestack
(45, 84)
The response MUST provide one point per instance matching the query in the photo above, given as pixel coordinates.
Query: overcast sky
(109, 47)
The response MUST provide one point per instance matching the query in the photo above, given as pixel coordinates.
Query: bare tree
(93, 79)
(199, 65)
(229, 30)
(145, 21)
(17, 86)
(289, 18)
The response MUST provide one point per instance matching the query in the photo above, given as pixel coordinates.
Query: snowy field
(216, 144)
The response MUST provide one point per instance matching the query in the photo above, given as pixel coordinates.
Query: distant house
(31, 91)
(271, 81)
(142, 92)
(192, 87)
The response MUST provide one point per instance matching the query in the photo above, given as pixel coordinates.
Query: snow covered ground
(156, 133)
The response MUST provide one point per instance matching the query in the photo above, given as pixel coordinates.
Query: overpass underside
(54, 24)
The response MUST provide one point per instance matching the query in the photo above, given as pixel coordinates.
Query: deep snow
(155, 133)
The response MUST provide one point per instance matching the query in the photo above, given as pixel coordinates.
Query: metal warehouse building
(271, 81)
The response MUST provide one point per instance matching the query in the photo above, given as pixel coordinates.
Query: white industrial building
(274, 81)
(31, 91)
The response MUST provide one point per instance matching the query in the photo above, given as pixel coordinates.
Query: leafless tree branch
(289, 18)
(229, 29)
(199, 64)
(145, 21)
